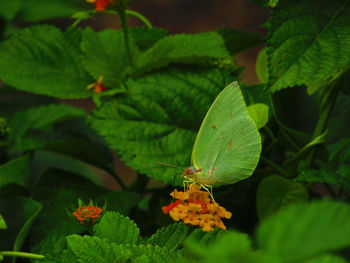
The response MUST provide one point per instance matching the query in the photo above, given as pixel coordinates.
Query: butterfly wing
(228, 145)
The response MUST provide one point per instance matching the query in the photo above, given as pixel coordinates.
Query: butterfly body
(228, 145)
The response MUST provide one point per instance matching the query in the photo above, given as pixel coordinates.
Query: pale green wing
(228, 145)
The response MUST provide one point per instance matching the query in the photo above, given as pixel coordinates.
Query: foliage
(151, 92)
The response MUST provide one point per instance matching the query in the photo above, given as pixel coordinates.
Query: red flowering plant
(97, 86)
(88, 214)
(101, 5)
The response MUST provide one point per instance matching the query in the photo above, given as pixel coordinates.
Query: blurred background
(177, 16)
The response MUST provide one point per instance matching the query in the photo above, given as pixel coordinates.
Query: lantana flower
(101, 5)
(195, 207)
(87, 214)
(97, 86)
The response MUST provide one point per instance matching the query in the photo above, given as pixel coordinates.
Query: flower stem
(139, 17)
(124, 25)
(21, 254)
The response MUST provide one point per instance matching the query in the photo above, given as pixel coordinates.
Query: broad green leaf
(204, 238)
(16, 171)
(36, 10)
(335, 171)
(259, 113)
(228, 247)
(19, 214)
(255, 94)
(184, 49)
(328, 258)
(9, 9)
(82, 148)
(50, 62)
(59, 191)
(44, 160)
(262, 67)
(145, 38)
(117, 228)
(156, 254)
(94, 249)
(303, 231)
(61, 256)
(13, 101)
(157, 119)
(104, 55)
(276, 192)
(27, 128)
(141, 259)
(170, 236)
(238, 41)
(309, 43)
(2, 223)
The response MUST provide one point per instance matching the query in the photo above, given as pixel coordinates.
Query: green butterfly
(228, 145)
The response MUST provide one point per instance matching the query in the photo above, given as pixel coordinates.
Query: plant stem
(125, 28)
(21, 254)
(275, 166)
(140, 17)
(283, 128)
(327, 102)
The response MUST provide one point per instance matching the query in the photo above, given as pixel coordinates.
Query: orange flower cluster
(87, 214)
(195, 207)
(97, 86)
(101, 5)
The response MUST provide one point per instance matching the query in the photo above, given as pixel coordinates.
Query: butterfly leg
(209, 191)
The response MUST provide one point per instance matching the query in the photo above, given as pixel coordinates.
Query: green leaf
(61, 256)
(19, 213)
(308, 43)
(228, 247)
(155, 254)
(204, 238)
(170, 236)
(303, 231)
(36, 10)
(2, 223)
(44, 160)
(262, 67)
(120, 201)
(335, 171)
(59, 191)
(237, 41)
(105, 55)
(27, 128)
(157, 119)
(50, 62)
(16, 171)
(9, 9)
(94, 249)
(329, 258)
(145, 38)
(276, 192)
(259, 113)
(117, 228)
(184, 49)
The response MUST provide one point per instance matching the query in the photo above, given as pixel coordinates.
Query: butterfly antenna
(171, 165)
